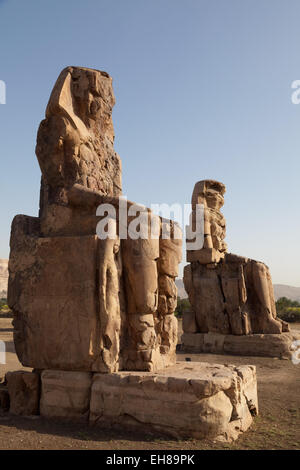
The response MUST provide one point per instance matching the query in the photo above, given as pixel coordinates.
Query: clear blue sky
(203, 90)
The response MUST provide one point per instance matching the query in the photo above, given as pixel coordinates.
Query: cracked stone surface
(24, 392)
(65, 395)
(198, 399)
(248, 345)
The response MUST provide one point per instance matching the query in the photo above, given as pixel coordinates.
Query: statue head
(75, 141)
(210, 193)
(83, 96)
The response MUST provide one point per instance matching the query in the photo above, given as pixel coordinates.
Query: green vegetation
(5, 311)
(288, 310)
(3, 304)
(183, 305)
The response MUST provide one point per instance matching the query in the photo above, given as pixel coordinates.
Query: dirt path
(277, 426)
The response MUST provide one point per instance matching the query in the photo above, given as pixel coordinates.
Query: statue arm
(79, 195)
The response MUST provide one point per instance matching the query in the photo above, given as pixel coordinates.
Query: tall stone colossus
(232, 300)
(82, 303)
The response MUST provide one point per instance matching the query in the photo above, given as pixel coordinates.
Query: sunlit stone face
(214, 199)
(92, 93)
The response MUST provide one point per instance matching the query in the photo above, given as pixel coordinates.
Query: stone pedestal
(277, 345)
(66, 395)
(197, 400)
(186, 400)
(24, 392)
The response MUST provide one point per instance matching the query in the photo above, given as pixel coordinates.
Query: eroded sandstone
(24, 392)
(231, 296)
(82, 302)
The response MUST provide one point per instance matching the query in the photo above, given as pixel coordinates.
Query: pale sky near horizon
(203, 90)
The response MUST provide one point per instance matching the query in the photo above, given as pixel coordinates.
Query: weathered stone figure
(210, 195)
(81, 303)
(229, 294)
(75, 152)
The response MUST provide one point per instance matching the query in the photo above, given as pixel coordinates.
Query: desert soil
(276, 427)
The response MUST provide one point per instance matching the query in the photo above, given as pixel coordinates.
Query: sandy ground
(276, 427)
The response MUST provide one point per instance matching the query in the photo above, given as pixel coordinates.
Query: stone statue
(209, 194)
(229, 294)
(80, 302)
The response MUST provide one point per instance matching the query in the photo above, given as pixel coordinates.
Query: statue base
(269, 345)
(198, 400)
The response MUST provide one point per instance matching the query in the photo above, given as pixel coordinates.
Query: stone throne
(232, 299)
(80, 302)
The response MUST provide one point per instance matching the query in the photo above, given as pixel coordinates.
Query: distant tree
(288, 310)
(3, 303)
(183, 305)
